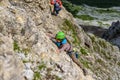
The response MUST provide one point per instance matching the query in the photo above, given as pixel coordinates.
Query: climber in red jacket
(57, 6)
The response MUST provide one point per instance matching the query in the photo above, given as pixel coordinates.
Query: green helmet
(60, 35)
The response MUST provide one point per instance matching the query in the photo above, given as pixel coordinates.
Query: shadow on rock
(112, 34)
(97, 31)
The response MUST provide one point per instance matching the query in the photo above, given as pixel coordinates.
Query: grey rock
(27, 24)
(113, 33)
(28, 1)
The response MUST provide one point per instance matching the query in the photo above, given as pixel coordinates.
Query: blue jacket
(64, 41)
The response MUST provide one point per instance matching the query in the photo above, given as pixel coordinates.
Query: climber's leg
(78, 63)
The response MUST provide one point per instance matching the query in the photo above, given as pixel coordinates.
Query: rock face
(26, 53)
(10, 66)
(113, 33)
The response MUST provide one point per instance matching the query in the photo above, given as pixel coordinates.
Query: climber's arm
(60, 4)
(63, 48)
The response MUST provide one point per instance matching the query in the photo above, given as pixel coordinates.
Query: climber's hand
(49, 34)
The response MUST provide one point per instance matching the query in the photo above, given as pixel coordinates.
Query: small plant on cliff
(37, 76)
(26, 50)
(83, 51)
(69, 26)
(16, 46)
(41, 66)
(85, 63)
(57, 78)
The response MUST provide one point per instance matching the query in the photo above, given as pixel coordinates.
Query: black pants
(56, 10)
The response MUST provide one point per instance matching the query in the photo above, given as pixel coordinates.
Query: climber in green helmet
(63, 44)
(60, 35)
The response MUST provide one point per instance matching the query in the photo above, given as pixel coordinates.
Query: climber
(63, 44)
(57, 6)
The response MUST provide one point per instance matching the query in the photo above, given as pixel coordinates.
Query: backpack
(56, 3)
(53, 2)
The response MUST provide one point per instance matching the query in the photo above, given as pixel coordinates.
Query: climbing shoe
(76, 54)
(85, 72)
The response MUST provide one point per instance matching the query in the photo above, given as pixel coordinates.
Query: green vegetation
(25, 61)
(85, 63)
(108, 56)
(68, 26)
(51, 76)
(74, 9)
(118, 63)
(48, 74)
(85, 17)
(92, 37)
(107, 11)
(41, 66)
(57, 78)
(102, 62)
(83, 51)
(102, 43)
(16, 46)
(37, 76)
(99, 61)
(25, 51)
(96, 47)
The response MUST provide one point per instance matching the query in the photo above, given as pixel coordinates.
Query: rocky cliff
(26, 53)
(113, 34)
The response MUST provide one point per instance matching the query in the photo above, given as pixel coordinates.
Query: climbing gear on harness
(60, 35)
(74, 49)
(76, 52)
